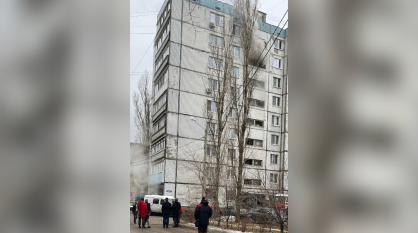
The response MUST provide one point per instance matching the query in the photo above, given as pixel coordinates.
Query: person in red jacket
(142, 213)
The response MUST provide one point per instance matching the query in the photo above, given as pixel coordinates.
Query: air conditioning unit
(211, 25)
(208, 90)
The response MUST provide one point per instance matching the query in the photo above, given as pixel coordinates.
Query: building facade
(182, 55)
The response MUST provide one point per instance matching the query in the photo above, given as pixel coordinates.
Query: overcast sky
(143, 20)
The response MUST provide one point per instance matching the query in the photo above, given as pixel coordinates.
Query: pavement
(157, 226)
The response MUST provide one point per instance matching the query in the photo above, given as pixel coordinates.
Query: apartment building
(185, 31)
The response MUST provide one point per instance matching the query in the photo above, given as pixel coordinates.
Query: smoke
(139, 169)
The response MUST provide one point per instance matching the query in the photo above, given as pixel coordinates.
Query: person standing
(149, 212)
(176, 212)
(166, 210)
(135, 212)
(142, 213)
(202, 214)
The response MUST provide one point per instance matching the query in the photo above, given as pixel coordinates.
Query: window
(252, 182)
(274, 177)
(215, 63)
(276, 121)
(217, 19)
(235, 51)
(273, 159)
(254, 142)
(253, 122)
(158, 146)
(235, 72)
(276, 82)
(277, 63)
(161, 201)
(212, 128)
(210, 172)
(276, 101)
(230, 174)
(159, 125)
(232, 154)
(279, 44)
(213, 84)
(275, 139)
(216, 41)
(159, 103)
(236, 30)
(211, 106)
(160, 83)
(210, 150)
(256, 103)
(233, 113)
(258, 83)
(234, 94)
(155, 201)
(254, 162)
(232, 133)
(157, 168)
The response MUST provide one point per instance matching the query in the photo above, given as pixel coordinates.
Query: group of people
(202, 213)
(142, 211)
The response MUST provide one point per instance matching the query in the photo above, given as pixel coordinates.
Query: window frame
(276, 140)
(219, 22)
(278, 82)
(253, 142)
(211, 107)
(279, 63)
(236, 51)
(254, 122)
(274, 161)
(272, 120)
(274, 178)
(276, 102)
(234, 31)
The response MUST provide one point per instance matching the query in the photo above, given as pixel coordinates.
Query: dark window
(252, 182)
(253, 122)
(257, 103)
(254, 142)
(155, 201)
(161, 201)
(254, 162)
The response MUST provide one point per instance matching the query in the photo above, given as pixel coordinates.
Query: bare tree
(220, 76)
(142, 100)
(246, 17)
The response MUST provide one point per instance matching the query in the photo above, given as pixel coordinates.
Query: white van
(156, 202)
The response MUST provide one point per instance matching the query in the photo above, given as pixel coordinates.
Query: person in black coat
(203, 213)
(135, 212)
(176, 212)
(149, 213)
(166, 210)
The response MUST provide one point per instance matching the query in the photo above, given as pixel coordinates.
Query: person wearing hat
(202, 214)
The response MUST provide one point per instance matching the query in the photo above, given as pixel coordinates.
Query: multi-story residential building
(182, 55)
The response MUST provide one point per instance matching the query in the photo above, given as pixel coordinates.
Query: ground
(157, 226)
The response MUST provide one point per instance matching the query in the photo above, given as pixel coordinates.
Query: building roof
(229, 9)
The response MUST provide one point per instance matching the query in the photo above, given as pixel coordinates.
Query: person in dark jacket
(149, 212)
(166, 210)
(176, 212)
(135, 212)
(202, 214)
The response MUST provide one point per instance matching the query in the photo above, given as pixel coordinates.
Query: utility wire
(143, 12)
(142, 33)
(141, 58)
(275, 6)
